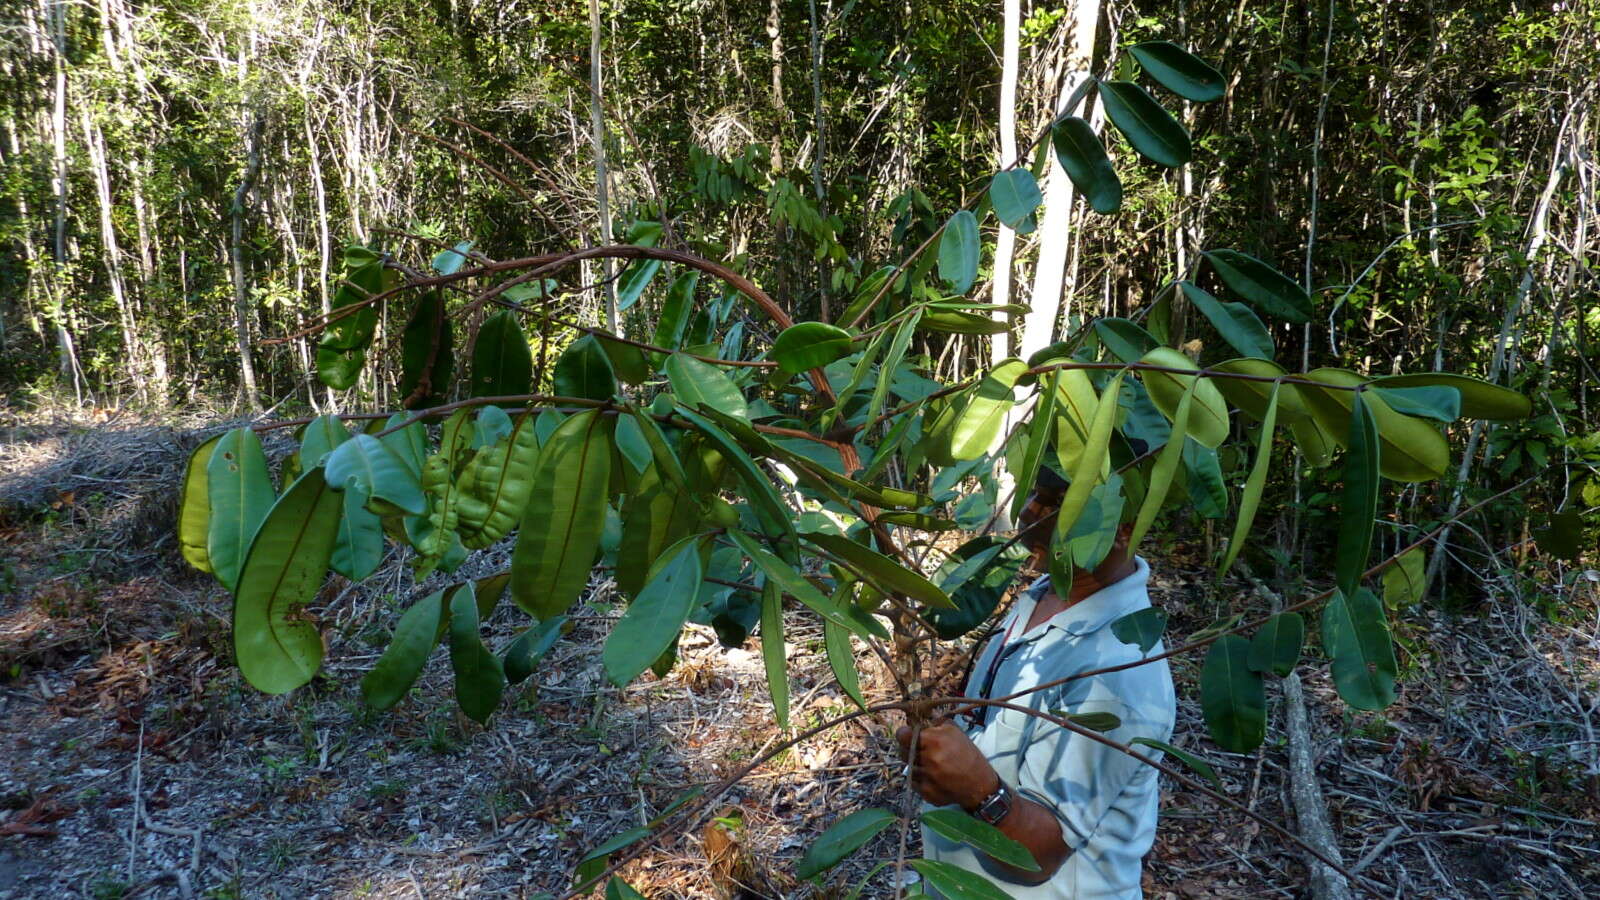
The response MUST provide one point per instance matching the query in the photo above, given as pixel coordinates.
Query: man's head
(1038, 517)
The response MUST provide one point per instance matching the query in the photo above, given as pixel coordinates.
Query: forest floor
(134, 760)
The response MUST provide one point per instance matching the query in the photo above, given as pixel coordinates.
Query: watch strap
(996, 806)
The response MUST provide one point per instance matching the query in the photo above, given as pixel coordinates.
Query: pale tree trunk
(133, 349)
(775, 34)
(241, 285)
(1005, 245)
(68, 362)
(597, 126)
(819, 130)
(1055, 230)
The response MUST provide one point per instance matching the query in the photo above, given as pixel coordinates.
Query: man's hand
(948, 767)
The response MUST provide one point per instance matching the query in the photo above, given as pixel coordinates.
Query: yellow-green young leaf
(697, 382)
(495, 485)
(1091, 464)
(958, 252)
(277, 646)
(1411, 449)
(1038, 440)
(650, 625)
(842, 659)
(1251, 396)
(881, 571)
(240, 494)
(980, 422)
(1075, 403)
(502, 364)
(950, 321)
(772, 657)
(1166, 465)
(194, 507)
(807, 345)
(1355, 633)
(956, 883)
(1276, 646)
(480, 680)
(565, 514)
(414, 638)
(1404, 581)
(433, 533)
(1250, 499)
(843, 838)
(939, 424)
(1148, 127)
(1479, 399)
(1233, 698)
(1313, 441)
(1208, 415)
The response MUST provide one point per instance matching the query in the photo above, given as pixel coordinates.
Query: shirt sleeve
(1080, 779)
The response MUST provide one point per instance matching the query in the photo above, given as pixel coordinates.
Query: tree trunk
(241, 286)
(597, 126)
(67, 355)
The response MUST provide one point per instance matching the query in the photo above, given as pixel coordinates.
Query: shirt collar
(1100, 608)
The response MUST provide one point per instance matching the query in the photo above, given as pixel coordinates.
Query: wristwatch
(994, 807)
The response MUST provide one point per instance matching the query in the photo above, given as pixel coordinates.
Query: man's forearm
(1034, 827)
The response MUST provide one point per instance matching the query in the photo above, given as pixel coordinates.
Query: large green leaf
(584, 370)
(342, 349)
(1084, 159)
(1036, 442)
(1234, 321)
(976, 575)
(494, 487)
(1142, 627)
(1276, 646)
(1207, 420)
(1411, 449)
(650, 625)
(808, 345)
(772, 656)
(1148, 127)
(1128, 341)
(1252, 396)
(1179, 71)
(696, 382)
(950, 321)
(409, 444)
(1203, 480)
(1075, 403)
(770, 509)
(676, 312)
(1479, 399)
(522, 655)
(1355, 633)
(502, 364)
(358, 550)
(564, 517)
(793, 583)
(1264, 287)
(1232, 696)
(1164, 468)
(480, 680)
(321, 436)
(841, 659)
(194, 507)
(1250, 497)
(414, 638)
(655, 516)
(843, 838)
(958, 252)
(427, 353)
(239, 493)
(1404, 581)
(891, 365)
(278, 647)
(1358, 509)
(638, 274)
(1092, 463)
(364, 463)
(978, 427)
(883, 572)
(955, 883)
(955, 825)
(1441, 404)
(1015, 195)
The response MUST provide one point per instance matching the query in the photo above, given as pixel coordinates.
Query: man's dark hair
(1049, 480)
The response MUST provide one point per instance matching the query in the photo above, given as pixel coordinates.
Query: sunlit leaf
(958, 252)
(843, 838)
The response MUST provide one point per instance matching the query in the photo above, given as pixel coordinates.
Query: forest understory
(139, 763)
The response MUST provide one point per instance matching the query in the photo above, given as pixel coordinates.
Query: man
(1087, 812)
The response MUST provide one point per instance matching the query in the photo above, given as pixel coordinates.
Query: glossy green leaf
(772, 655)
(1127, 340)
(843, 838)
(409, 647)
(617, 889)
(773, 513)
(1479, 399)
(239, 493)
(677, 311)
(978, 427)
(1037, 441)
(427, 353)
(1355, 633)
(1404, 582)
(492, 424)
(1202, 470)
(194, 507)
(1084, 159)
(409, 444)
(638, 274)
(891, 364)
(949, 321)
(1276, 645)
(1148, 127)
(1441, 404)
(1207, 420)
(650, 625)
(955, 883)
(358, 550)
(342, 349)
(958, 252)
(522, 655)
(1313, 442)
(1075, 404)
(276, 644)
(917, 520)
(1094, 721)
(1143, 627)
(480, 680)
(696, 382)
(493, 489)
(321, 436)
(449, 262)
(1358, 506)
(1095, 532)
(584, 370)
(1255, 483)
(953, 824)
(633, 445)
(809, 345)
(864, 294)
(376, 472)
(502, 363)
(627, 361)
(842, 659)
(655, 516)
(1237, 324)
(1261, 285)
(976, 575)
(564, 516)
(1195, 763)
(1233, 698)
(793, 583)
(1015, 195)
(1163, 470)
(596, 861)
(883, 572)
(1179, 71)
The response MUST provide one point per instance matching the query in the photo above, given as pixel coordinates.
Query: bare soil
(134, 760)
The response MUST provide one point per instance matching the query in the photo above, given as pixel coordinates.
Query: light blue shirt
(1104, 799)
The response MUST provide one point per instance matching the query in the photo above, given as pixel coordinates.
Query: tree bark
(1309, 811)
(598, 138)
(241, 286)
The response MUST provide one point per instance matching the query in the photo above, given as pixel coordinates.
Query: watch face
(996, 806)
